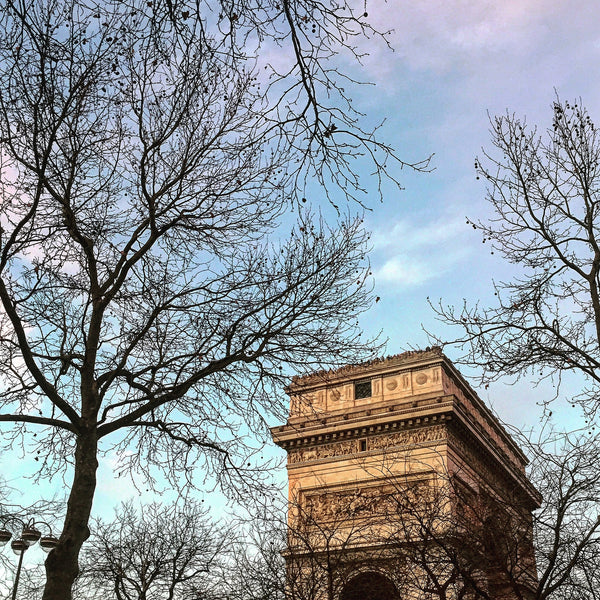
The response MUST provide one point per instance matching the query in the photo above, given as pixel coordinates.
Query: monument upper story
(414, 392)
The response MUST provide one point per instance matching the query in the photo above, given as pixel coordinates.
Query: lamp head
(19, 546)
(30, 535)
(48, 542)
(5, 535)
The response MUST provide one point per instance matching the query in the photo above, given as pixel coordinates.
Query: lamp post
(29, 536)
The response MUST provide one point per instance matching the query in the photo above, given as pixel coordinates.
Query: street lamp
(29, 536)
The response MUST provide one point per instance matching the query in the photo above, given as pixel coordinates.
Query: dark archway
(370, 586)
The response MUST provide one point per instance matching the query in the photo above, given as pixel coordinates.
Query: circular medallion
(421, 378)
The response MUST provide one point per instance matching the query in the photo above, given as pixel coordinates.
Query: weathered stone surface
(353, 459)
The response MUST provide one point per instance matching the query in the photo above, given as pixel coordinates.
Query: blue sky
(453, 62)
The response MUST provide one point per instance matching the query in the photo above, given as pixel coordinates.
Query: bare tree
(311, 556)
(154, 287)
(155, 552)
(427, 536)
(409, 533)
(544, 193)
(565, 468)
(435, 536)
(463, 541)
(470, 541)
(321, 547)
(256, 565)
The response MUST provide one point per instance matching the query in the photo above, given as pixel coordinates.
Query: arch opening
(369, 586)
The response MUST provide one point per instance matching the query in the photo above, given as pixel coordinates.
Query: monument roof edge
(404, 359)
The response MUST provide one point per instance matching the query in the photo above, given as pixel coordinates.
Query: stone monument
(403, 484)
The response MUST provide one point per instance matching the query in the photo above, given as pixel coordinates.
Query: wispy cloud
(415, 233)
(439, 33)
(412, 252)
(481, 46)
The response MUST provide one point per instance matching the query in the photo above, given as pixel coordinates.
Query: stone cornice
(359, 423)
(396, 365)
(396, 362)
(382, 419)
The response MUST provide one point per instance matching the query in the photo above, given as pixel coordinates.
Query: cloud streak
(411, 252)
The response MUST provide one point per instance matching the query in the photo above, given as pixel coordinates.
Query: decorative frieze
(335, 505)
(407, 438)
(387, 441)
(372, 501)
(324, 451)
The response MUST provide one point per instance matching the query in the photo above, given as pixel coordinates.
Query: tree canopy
(544, 193)
(160, 265)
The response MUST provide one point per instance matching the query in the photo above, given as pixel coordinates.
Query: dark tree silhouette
(256, 567)
(156, 552)
(154, 286)
(309, 557)
(544, 191)
(463, 540)
(466, 540)
(565, 468)
(447, 535)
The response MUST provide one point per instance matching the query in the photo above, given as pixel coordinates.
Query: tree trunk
(62, 566)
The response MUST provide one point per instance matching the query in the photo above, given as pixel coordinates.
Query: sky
(453, 64)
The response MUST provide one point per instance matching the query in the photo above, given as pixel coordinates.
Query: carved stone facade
(402, 439)
(381, 451)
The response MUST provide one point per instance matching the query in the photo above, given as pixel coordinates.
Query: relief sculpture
(323, 451)
(365, 502)
(407, 438)
(342, 504)
(390, 440)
